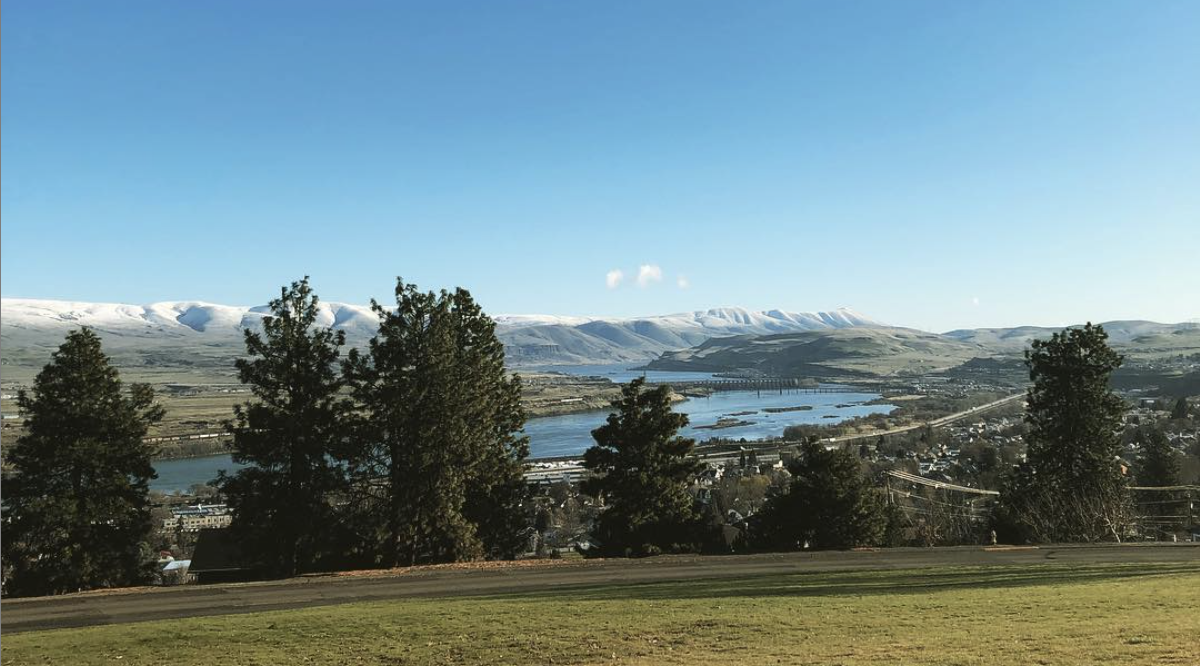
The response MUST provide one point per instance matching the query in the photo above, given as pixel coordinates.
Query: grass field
(1122, 614)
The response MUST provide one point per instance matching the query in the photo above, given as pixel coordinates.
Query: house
(198, 517)
(176, 572)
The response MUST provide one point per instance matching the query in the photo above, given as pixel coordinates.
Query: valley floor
(1046, 613)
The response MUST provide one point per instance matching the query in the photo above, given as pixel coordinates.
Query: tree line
(411, 451)
(408, 452)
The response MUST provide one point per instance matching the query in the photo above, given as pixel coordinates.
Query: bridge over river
(758, 384)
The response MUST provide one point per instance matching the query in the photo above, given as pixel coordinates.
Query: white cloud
(613, 278)
(648, 273)
(682, 281)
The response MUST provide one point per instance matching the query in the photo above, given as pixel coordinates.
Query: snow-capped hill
(152, 330)
(719, 318)
(180, 317)
(357, 318)
(193, 315)
(847, 317)
(33, 312)
(640, 338)
(197, 316)
(779, 320)
(520, 320)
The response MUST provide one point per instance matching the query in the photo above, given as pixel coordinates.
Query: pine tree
(77, 506)
(498, 496)
(441, 432)
(1180, 411)
(292, 437)
(642, 473)
(1071, 487)
(829, 504)
(1157, 463)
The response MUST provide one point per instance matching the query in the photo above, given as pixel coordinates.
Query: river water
(571, 434)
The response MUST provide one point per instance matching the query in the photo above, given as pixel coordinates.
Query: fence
(939, 513)
(1167, 513)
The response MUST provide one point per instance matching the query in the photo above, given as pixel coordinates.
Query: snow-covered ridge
(714, 317)
(173, 316)
(534, 340)
(201, 317)
(176, 327)
(522, 320)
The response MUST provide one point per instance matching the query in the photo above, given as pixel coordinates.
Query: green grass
(997, 615)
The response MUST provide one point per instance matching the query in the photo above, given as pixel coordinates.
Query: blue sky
(938, 165)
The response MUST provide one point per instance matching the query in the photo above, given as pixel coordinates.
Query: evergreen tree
(1071, 487)
(77, 506)
(642, 473)
(441, 433)
(1180, 411)
(829, 504)
(490, 405)
(1157, 463)
(292, 437)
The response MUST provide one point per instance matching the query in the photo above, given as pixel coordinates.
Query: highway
(122, 606)
(935, 423)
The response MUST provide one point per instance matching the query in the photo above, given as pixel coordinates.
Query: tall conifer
(642, 474)
(291, 435)
(829, 503)
(77, 507)
(1071, 487)
(1157, 463)
(1181, 410)
(440, 431)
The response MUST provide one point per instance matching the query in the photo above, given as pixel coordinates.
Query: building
(198, 517)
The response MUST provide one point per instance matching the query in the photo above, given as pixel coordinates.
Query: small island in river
(778, 410)
(725, 422)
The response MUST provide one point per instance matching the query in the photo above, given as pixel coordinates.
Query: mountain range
(199, 335)
(179, 338)
(881, 351)
(584, 340)
(1120, 332)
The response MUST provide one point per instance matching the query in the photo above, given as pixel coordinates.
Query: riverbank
(566, 435)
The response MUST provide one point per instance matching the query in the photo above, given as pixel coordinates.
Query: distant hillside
(837, 352)
(1138, 339)
(194, 341)
(189, 341)
(170, 342)
(882, 351)
(641, 339)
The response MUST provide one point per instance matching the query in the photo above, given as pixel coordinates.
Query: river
(570, 434)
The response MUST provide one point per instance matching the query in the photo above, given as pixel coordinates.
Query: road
(116, 607)
(935, 423)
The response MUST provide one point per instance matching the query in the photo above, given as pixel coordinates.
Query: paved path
(87, 609)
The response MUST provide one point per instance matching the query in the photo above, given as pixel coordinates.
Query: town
(658, 333)
(961, 458)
